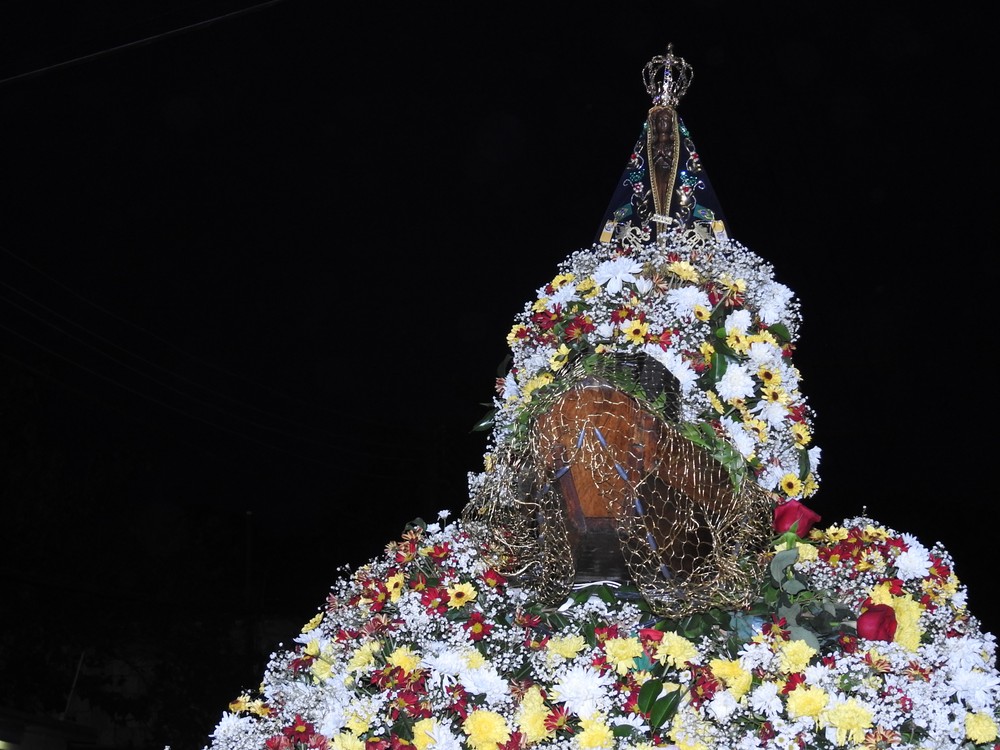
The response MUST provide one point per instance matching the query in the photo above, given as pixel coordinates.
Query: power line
(136, 43)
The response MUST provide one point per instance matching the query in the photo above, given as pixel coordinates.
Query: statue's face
(661, 136)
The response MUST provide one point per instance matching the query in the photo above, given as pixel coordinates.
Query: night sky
(256, 276)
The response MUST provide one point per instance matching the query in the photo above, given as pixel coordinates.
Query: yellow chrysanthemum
(850, 718)
(321, 670)
(486, 729)
(313, 623)
(539, 381)
(531, 715)
(791, 485)
(806, 701)
(461, 594)
(807, 552)
(635, 332)
(716, 402)
(621, 653)
(363, 656)
(801, 434)
(764, 337)
(706, 349)
(421, 733)
(774, 394)
(358, 718)
(241, 703)
(559, 358)
(312, 648)
(684, 271)
(810, 486)
(346, 741)
(540, 304)
(588, 288)
(794, 656)
(757, 428)
(562, 280)
(675, 650)
(566, 646)
(737, 341)
(908, 611)
(769, 375)
(396, 584)
(473, 659)
(732, 675)
(595, 734)
(518, 332)
(980, 728)
(404, 658)
(702, 313)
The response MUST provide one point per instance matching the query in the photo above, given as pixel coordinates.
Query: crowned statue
(651, 418)
(636, 565)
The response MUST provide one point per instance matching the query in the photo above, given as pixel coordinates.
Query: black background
(256, 275)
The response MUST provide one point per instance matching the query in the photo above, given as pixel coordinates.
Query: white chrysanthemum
(442, 738)
(742, 440)
(814, 454)
(233, 729)
(966, 653)
(774, 299)
(764, 353)
(722, 705)
(561, 296)
(736, 383)
(914, 562)
(772, 412)
(683, 301)
(486, 681)
(446, 665)
(611, 274)
(738, 320)
(765, 700)
(582, 690)
(676, 365)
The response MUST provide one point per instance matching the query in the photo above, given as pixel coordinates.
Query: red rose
(793, 512)
(877, 623)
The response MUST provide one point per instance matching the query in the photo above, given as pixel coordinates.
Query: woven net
(606, 488)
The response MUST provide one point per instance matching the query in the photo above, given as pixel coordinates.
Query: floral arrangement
(706, 308)
(859, 638)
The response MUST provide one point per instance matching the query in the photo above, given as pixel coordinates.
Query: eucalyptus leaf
(793, 586)
(781, 562)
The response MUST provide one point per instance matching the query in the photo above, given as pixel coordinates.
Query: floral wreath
(709, 311)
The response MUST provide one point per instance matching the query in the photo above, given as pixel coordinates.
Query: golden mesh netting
(606, 489)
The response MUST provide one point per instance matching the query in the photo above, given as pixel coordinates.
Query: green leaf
(793, 586)
(648, 694)
(663, 709)
(486, 422)
(781, 562)
(780, 332)
(803, 464)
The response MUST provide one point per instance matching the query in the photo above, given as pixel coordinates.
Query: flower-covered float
(636, 566)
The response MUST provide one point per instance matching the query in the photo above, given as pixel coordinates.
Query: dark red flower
(791, 514)
(877, 623)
